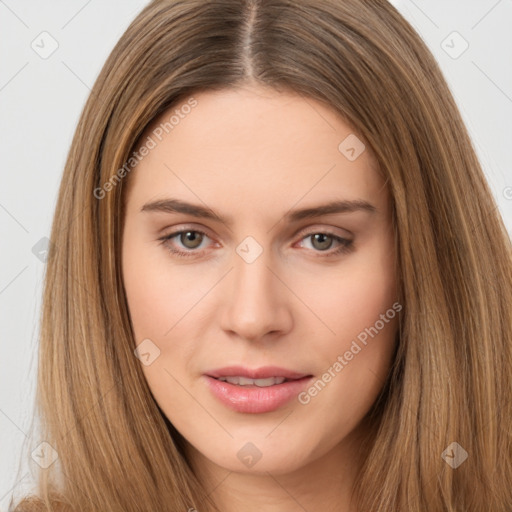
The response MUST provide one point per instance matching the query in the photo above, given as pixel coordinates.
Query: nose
(258, 303)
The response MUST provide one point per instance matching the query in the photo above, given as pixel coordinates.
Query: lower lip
(253, 399)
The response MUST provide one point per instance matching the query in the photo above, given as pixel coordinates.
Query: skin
(252, 154)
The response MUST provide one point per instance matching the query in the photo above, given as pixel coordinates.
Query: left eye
(191, 240)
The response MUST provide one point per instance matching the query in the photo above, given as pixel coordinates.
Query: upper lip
(263, 372)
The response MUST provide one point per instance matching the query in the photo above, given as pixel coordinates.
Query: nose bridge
(255, 303)
(253, 279)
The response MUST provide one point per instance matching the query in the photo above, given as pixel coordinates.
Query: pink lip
(254, 399)
(256, 373)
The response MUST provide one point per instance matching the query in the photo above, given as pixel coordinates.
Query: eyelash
(346, 245)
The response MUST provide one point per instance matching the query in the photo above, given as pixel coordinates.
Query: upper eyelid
(176, 231)
(315, 228)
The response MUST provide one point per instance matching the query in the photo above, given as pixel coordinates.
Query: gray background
(41, 97)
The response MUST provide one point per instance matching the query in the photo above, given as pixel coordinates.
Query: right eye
(190, 239)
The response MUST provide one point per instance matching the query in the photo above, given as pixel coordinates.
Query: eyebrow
(179, 206)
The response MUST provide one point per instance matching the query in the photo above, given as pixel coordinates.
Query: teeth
(244, 381)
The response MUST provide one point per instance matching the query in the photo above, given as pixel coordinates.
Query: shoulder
(36, 504)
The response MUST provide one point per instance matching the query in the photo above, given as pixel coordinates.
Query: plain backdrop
(50, 56)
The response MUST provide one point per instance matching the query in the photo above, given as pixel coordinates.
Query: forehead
(252, 146)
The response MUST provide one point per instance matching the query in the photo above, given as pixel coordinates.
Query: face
(233, 271)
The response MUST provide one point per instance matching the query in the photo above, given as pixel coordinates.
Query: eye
(322, 241)
(188, 240)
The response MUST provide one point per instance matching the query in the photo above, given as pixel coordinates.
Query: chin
(259, 454)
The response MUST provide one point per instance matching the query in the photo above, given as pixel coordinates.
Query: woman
(279, 280)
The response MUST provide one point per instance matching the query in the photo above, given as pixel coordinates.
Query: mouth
(260, 383)
(255, 391)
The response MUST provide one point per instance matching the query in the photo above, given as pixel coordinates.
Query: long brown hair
(450, 381)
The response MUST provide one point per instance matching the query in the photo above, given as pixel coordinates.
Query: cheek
(352, 296)
(359, 305)
(158, 302)
(149, 305)
(157, 297)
